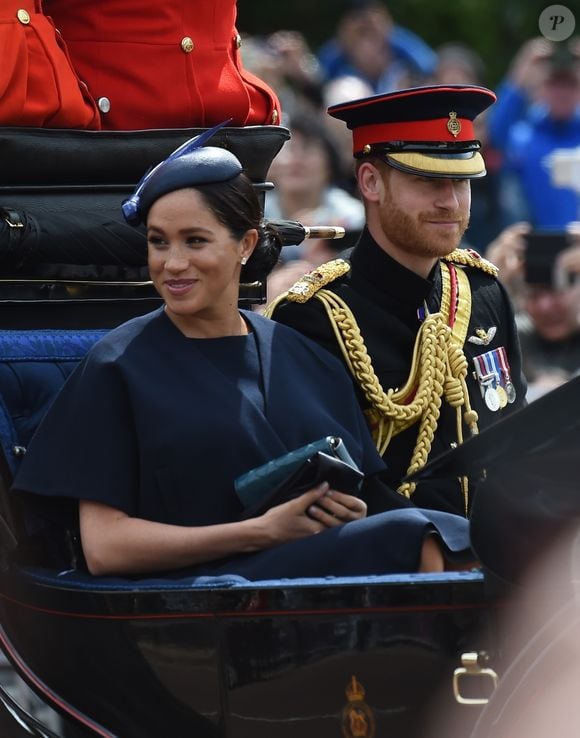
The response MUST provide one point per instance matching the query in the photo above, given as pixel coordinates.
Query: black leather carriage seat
(61, 193)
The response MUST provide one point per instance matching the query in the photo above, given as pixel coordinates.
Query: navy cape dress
(159, 425)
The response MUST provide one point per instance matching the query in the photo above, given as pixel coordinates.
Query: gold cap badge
(453, 125)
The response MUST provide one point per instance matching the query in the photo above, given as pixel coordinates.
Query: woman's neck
(195, 326)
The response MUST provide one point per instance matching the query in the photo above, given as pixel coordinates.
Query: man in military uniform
(425, 328)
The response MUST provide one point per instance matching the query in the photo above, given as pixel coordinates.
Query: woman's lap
(386, 543)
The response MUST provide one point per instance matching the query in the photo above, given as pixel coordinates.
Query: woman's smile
(177, 287)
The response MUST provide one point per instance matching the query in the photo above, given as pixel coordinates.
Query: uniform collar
(391, 282)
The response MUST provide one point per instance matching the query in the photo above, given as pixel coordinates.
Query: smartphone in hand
(542, 249)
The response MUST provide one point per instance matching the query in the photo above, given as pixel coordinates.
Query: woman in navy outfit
(151, 430)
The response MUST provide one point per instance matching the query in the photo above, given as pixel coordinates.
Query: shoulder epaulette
(470, 257)
(310, 283)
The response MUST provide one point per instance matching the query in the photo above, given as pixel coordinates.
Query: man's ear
(370, 182)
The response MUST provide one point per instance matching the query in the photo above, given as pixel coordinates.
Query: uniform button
(238, 41)
(23, 16)
(275, 117)
(104, 104)
(187, 44)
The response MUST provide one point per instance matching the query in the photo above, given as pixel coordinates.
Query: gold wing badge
(483, 337)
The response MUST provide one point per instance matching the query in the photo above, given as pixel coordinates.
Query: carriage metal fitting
(11, 218)
(471, 666)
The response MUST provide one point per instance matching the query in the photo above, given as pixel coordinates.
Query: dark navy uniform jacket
(159, 425)
(384, 298)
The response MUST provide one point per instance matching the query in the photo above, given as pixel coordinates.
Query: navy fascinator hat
(190, 164)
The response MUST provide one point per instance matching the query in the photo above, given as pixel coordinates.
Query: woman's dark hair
(236, 205)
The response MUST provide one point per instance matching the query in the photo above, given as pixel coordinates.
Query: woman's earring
(244, 260)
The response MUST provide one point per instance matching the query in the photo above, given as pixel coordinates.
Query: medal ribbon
(495, 368)
(493, 364)
(504, 364)
(486, 366)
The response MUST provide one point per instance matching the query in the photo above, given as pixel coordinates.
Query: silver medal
(492, 399)
(510, 392)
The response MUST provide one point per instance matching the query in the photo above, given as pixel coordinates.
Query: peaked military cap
(422, 130)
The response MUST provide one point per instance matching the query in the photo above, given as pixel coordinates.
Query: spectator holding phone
(542, 271)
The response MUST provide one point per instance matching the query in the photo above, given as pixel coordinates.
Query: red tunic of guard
(170, 64)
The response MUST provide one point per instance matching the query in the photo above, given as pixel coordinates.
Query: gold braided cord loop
(269, 309)
(430, 371)
(438, 370)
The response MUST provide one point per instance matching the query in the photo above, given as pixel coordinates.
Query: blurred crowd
(531, 145)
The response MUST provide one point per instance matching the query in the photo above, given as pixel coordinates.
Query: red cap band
(440, 129)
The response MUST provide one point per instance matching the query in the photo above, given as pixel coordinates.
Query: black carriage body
(375, 657)
(237, 659)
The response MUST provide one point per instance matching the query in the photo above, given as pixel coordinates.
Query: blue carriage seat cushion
(33, 367)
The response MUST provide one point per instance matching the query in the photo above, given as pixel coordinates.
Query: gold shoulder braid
(470, 257)
(438, 370)
(307, 286)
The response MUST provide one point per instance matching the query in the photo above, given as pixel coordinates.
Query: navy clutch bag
(294, 473)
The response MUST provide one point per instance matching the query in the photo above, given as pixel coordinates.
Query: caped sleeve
(86, 447)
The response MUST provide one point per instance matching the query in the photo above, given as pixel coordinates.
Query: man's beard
(414, 236)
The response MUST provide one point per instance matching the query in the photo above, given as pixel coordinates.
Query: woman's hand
(336, 508)
(314, 511)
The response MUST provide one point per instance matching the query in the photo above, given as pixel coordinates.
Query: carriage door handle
(471, 666)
